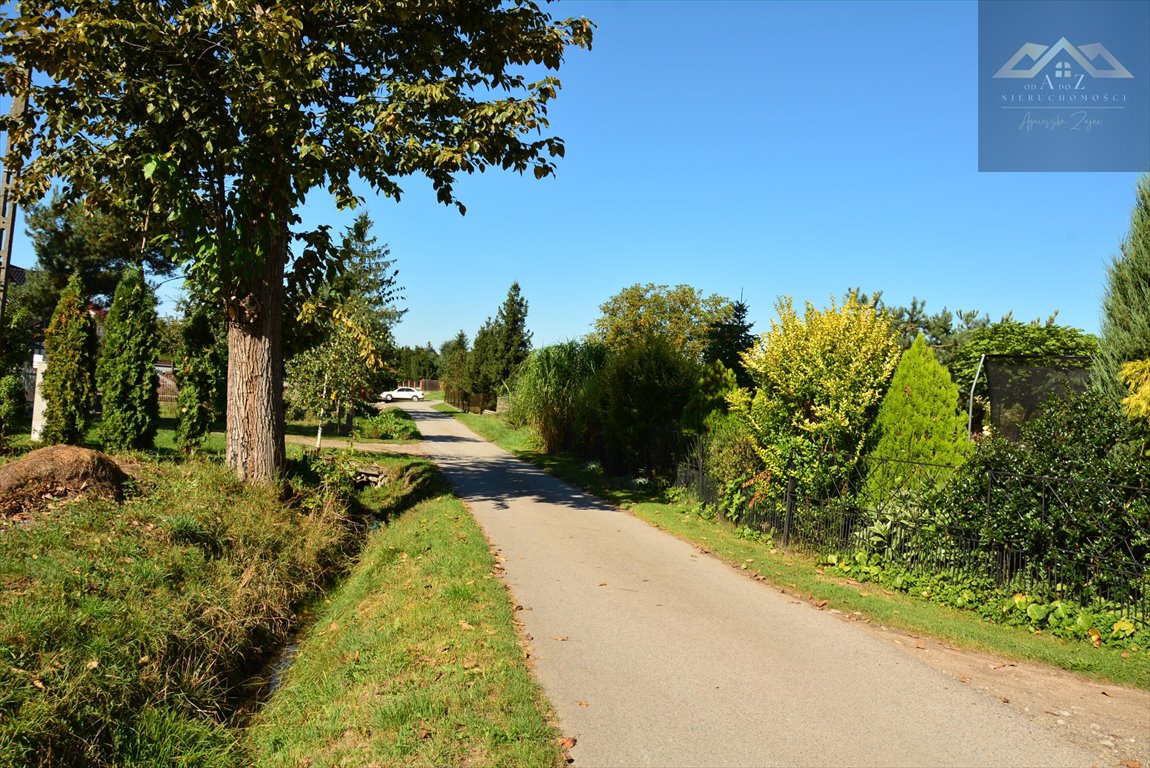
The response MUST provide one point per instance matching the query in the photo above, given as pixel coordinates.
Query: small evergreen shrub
(918, 421)
(69, 380)
(126, 371)
(11, 407)
(200, 377)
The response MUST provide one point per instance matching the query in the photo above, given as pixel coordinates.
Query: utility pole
(8, 177)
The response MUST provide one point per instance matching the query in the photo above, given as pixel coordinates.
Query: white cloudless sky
(756, 149)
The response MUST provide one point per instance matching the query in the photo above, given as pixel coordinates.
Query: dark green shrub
(732, 464)
(389, 424)
(1071, 494)
(69, 380)
(644, 388)
(12, 401)
(200, 376)
(126, 371)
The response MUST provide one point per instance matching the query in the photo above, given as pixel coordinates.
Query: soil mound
(56, 472)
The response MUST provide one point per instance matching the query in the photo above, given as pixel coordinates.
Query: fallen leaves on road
(821, 604)
(583, 703)
(561, 638)
(1130, 764)
(567, 742)
(1004, 699)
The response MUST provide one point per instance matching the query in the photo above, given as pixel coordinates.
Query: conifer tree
(1125, 333)
(126, 371)
(69, 379)
(200, 377)
(918, 421)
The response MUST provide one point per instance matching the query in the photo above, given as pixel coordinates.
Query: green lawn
(128, 629)
(414, 659)
(679, 515)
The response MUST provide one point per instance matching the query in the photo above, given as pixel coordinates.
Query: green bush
(732, 464)
(644, 388)
(918, 421)
(388, 424)
(556, 393)
(126, 371)
(200, 376)
(69, 380)
(12, 400)
(1075, 494)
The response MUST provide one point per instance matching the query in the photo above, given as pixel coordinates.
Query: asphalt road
(654, 654)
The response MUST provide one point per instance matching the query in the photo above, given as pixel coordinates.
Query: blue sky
(756, 148)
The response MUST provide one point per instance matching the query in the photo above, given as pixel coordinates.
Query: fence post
(790, 511)
(700, 469)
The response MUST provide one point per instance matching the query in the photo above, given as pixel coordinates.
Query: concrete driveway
(655, 654)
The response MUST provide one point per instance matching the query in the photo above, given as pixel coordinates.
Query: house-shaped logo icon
(1084, 55)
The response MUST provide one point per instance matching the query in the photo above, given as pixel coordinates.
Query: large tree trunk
(255, 442)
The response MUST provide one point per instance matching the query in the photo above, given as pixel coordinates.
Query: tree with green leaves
(681, 316)
(415, 363)
(1010, 337)
(77, 238)
(500, 347)
(514, 339)
(15, 338)
(349, 317)
(483, 363)
(818, 379)
(126, 371)
(69, 379)
(329, 378)
(200, 375)
(219, 118)
(453, 367)
(918, 421)
(728, 337)
(1125, 336)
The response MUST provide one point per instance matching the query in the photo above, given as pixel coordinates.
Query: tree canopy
(73, 238)
(220, 117)
(680, 316)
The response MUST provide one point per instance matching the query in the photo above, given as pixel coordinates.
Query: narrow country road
(654, 654)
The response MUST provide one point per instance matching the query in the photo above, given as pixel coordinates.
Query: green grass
(414, 660)
(801, 575)
(127, 630)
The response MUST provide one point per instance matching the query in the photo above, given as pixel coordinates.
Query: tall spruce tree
(728, 337)
(126, 371)
(1125, 334)
(513, 337)
(69, 379)
(918, 421)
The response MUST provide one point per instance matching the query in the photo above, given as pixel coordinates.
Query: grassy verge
(127, 630)
(414, 659)
(801, 575)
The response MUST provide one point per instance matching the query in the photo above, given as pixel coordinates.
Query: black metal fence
(1084, 541)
